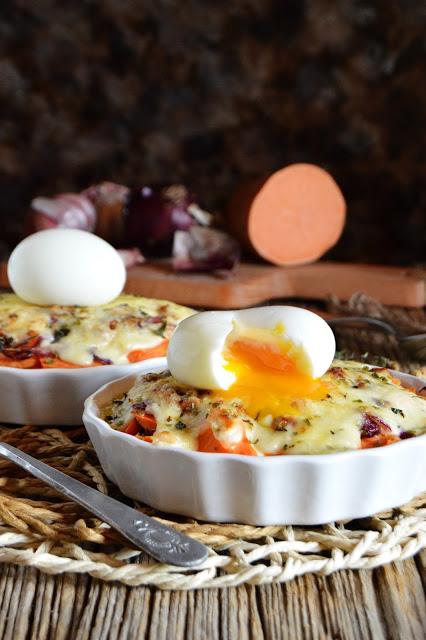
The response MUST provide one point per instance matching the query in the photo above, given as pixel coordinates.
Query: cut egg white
(66, 267)
(270, 358)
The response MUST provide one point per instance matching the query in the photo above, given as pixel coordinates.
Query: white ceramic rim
(51, 371)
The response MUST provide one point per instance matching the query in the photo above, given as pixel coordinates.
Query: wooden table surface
(385, 603)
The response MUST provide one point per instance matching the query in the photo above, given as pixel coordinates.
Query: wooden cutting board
(252, 284)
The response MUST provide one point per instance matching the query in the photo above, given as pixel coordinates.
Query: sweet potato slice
(132, 428)
(52, 362)
(380, 440)
(208, 443)
(152, 352)
(293, 217)
(25, 363)
(146, 421)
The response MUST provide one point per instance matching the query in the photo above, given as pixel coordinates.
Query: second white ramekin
(52, 396)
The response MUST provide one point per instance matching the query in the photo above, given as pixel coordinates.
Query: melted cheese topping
(77, 334)
(358, 398)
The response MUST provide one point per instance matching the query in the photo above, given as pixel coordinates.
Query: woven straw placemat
(39, 528)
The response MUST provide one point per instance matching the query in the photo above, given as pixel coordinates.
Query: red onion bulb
(154, 213)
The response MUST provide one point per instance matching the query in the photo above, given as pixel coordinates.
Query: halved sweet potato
(292, 217)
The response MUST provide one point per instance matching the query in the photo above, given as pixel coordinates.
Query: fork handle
(158, 540)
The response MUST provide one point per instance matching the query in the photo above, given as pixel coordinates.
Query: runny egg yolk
(271, 375)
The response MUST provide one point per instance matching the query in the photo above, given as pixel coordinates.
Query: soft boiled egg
(268, 357)
(66, 267)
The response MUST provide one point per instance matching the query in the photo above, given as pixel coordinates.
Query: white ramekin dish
(52, 396)
(298, 489)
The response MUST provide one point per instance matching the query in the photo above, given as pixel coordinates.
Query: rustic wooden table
(385, 603)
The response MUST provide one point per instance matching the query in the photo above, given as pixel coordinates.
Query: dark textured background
(210, 92)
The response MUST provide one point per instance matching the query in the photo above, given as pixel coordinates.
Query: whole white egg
(66, 267)
(197, 350)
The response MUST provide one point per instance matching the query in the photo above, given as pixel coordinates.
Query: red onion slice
(154, 213)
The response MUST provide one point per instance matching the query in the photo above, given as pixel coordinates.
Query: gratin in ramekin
(292, 489)
(52, 396)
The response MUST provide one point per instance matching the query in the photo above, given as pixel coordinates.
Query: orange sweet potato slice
(293, 217)
(152, 352)
(379, 440)
(26, 363)
(52, 362)
(208, 443)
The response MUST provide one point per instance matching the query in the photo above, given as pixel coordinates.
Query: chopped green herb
(377, 377)
(398, 411)
(60, 333)
(357, 400)
(332, 432)
(180, 425)
(308, 422)
(160, 330)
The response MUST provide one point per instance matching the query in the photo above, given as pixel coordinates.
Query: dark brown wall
(210, 92)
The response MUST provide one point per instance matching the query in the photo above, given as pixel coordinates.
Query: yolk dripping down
(269, 375)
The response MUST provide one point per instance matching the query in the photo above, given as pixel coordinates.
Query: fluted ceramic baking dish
(292, 489)
(52, 396)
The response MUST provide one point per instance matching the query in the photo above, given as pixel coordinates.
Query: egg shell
(195, 353)
(66, 267)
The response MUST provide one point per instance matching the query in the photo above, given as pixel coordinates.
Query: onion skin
(154, 213)
(69, 210)
(204, 249)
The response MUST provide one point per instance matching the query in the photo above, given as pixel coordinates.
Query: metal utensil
(414, 345)
(159, 541)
